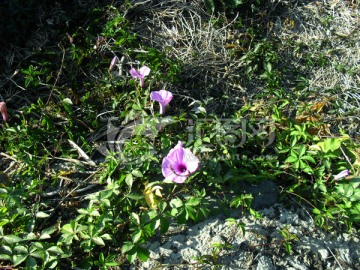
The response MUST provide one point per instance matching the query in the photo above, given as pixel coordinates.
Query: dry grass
(198, 40)
(330, 30)
(312, 30)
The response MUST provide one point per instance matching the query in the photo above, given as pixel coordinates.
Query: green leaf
(291, 159)
(134, 196)
(5, 257)
(56, 250)
(288, 247)
(112, 264)
(136, 173)
(106, 236)
(83, 211)
(18, 259)
(38, 254)
(296, 164)
(307, 169)
(190, 212)
(12, 239)
(126, 247)
(136, 107)
(37, 245)
(45, 234)
(95, 213)
(255, 214)
(131, 256)
(136, 218)
(204, 149)
(293, 141)
(30, 237)
(51, 263)
(203, 212)
(164, 225)
(67, 101)
(302, 150)
(21, 249)
(30, 263)
(142, 253)
(182, 217)
(334, 143)
(129, 180)
(328, 145)
(192, 202)
(135, 236)
(231, 221)
(98, 241)
(106, 202)
(162, 206)
(320, 185)
(6, 249)
(355, 212)
(69, 228)
(309, 158)
(206, 139)
(101, 258)
(176, 203)
(346, 190)
(42, 215)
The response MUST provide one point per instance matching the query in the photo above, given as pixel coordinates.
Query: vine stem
(58, 74)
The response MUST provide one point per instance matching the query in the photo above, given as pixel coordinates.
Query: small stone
(298, 265)
(188, 254)
(344, 254)
(269, 212)
(154, 245)
(264, 263)
(324, 253)
(165, 252)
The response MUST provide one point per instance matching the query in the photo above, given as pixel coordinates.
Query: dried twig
(82, 153)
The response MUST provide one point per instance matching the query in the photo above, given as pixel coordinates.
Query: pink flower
(140, 74)
(100, 40)
(163, 97)
(3, 110)
(179, 164)
(342, 174)
(113, 63)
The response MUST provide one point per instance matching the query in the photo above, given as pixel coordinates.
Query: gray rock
(251, 251)
(265, 263)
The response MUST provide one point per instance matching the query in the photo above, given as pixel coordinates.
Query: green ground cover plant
(97, 159)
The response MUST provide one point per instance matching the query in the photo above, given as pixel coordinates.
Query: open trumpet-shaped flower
(140, 74)
(179, 164)
(113, 63)
(342, 174)
(3, 111)
(163, 97)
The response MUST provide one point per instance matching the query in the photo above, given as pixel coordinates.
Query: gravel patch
(260, 248)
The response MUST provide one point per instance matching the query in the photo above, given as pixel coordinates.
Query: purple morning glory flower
(342, 174)
(4, 111)
(100, 40)
(163, 97)
(179, 164)
(113, 63)
(140, 74)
